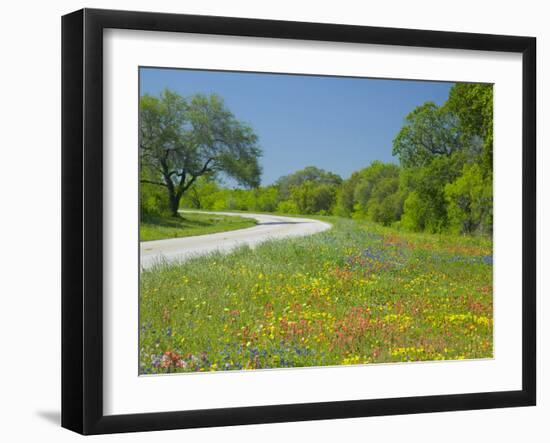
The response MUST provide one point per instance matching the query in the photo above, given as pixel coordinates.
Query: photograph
(292, 221)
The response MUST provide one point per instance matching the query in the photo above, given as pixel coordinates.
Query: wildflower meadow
(359, 293)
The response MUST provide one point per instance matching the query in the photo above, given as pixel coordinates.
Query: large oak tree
(181, 139)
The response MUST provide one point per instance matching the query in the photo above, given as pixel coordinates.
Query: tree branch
(189, 183)
(205, 167)
(151, 182)
(182, 187)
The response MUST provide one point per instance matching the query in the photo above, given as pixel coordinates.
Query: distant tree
(313, 198)
(372, 192)
(386, 203)
(425, 208)
(265, 199)
(183, 139)
(370, 179)
(345, 197)
(310, 174)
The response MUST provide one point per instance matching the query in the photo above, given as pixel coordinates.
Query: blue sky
(335, 123)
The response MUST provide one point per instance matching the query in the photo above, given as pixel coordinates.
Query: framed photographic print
(269, 221)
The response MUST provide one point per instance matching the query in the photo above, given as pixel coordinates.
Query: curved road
(269, 227)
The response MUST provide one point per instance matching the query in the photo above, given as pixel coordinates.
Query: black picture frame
(82, 218)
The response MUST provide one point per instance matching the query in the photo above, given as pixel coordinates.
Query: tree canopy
(429, 131)
(182, 139)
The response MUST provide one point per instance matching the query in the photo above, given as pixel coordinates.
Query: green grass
(358, 293)
(189, 224)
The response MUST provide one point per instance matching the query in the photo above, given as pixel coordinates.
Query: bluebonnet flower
(156, 360)
(487, 259)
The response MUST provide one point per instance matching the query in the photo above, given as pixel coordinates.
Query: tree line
(441, 183)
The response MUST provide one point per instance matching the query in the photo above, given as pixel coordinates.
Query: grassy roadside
(190, 224)
(359, 293)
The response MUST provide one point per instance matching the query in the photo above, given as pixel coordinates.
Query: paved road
(269, 227)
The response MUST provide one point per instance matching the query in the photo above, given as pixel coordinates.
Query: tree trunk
(174, 200)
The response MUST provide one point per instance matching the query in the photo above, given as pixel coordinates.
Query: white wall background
(30, 221)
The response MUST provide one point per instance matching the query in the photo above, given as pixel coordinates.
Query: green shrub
(153, 201)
